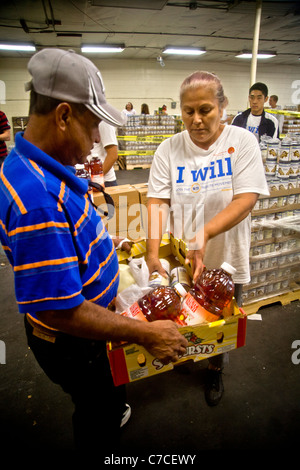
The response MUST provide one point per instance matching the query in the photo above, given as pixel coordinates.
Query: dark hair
(275, 97)
(145, 109)
(261, 87)
(198, 79)
(41, 104)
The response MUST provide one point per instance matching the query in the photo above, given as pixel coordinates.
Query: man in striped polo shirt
(4, 136)
(64, 262)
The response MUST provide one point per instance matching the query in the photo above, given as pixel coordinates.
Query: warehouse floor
(260, 409)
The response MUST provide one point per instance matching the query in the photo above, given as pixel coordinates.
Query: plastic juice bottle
(214, 288)
(81, 171)
(162, 303)
(96, 167)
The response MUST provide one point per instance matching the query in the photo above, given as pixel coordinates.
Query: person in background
(65, 265)
(4, 136)
(164, 109)
(255, 119)
(206, 179)
(107, 151)
(273, 100)
(129, 110)
(145, 109)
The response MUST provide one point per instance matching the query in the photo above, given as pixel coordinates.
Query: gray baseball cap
(70, 77)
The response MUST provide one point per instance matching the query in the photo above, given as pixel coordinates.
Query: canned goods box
(131, 362)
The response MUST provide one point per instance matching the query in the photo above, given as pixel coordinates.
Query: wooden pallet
(283, 298)
(138, 166)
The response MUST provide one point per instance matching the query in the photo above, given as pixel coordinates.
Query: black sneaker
(214, 387)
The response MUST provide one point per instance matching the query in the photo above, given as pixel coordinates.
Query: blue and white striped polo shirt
(54, 239)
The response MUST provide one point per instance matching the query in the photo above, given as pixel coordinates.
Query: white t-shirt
(132, 112)
(108, 137)
(253, 123)
(203, 182)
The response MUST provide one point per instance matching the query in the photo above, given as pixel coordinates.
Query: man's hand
(165, 342)
(123, 244)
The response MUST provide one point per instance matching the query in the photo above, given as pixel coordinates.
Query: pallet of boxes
(140, 137)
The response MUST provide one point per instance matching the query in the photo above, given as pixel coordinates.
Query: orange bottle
(214, 288)
(96, 167)
(162, 303)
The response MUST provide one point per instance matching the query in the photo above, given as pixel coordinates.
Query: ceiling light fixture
(18, 47)
(260, 55)
(184, 50)
(102, 49)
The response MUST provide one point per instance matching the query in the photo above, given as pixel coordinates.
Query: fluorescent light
(184, 51)
(260, 55)
(17, 47)
(103, 48)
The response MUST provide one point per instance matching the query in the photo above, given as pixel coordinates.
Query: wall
(141, 81)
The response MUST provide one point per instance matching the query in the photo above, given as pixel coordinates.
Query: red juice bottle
(162, 303)
(214, 288)
(96, 168)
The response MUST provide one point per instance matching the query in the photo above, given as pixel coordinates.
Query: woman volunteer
(209, 178)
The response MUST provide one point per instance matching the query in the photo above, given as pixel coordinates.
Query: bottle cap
(228, 268)
(180, 289)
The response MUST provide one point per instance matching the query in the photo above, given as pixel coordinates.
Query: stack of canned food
(282, 161)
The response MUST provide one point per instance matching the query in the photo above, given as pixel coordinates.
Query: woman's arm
(158, 212)
(238, 209)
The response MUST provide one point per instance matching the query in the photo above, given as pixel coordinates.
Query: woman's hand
(154, 264)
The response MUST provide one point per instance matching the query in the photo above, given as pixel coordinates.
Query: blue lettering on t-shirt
(223, 168)
(180, 174)
(253, 129)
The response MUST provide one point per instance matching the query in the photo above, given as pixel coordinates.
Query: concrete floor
(260, 409)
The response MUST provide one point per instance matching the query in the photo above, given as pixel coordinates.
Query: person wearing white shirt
(107, 151)
(129, 110)
(255, 119)
(207, 180)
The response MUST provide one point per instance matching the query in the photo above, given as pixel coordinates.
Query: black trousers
(82, 369)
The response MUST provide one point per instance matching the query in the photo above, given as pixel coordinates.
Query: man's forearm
(91, 321)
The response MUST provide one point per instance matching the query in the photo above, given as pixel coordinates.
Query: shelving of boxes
(275, 227)
(141, 136)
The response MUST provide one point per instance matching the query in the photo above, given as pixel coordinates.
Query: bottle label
(192, 313)
(180, 275)
(157, 280)
(135, 312)
(98, 179)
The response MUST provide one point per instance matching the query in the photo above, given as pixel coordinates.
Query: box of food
(132, 362)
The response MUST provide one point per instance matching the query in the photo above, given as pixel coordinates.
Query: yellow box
(132, 362)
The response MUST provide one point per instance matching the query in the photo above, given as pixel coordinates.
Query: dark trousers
(82, 369)
(222, 360)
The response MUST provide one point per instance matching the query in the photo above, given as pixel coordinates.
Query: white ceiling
(224, 28)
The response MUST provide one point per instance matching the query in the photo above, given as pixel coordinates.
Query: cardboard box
(138, 249)
(132, 362)
(126, 221)
(142, 189)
